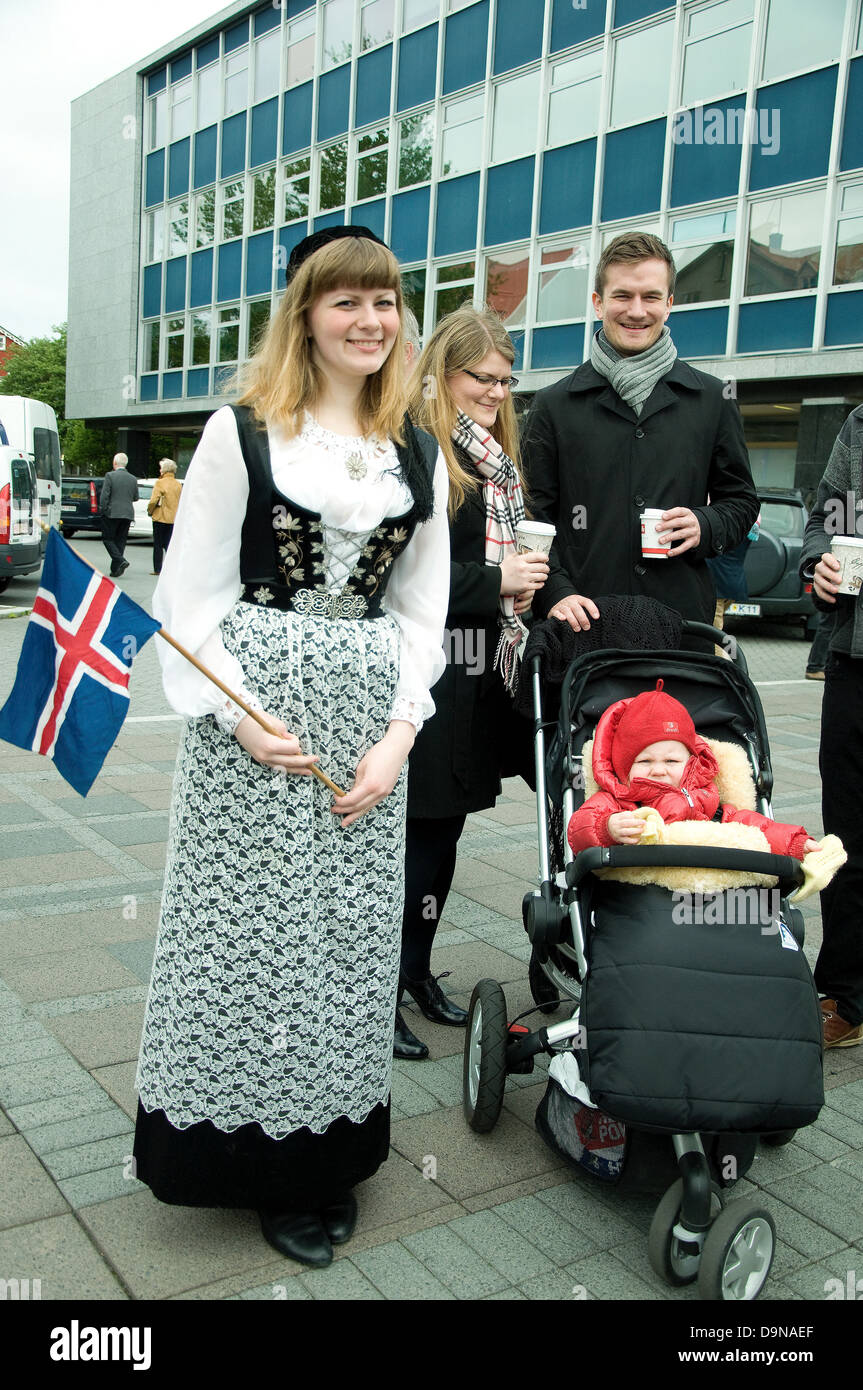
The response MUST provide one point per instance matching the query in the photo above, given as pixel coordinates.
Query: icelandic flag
(71, 692)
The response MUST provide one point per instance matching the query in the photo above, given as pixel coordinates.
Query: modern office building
(497, 145)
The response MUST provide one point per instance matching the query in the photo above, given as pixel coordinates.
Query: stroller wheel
(737, 1254)
(484, 1074)
(668, 1258)
(778, 1138)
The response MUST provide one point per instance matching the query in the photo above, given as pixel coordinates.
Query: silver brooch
(356, 466)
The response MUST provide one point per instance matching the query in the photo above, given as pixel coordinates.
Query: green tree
(39, 370)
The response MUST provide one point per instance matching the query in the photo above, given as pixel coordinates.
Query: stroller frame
(728, 1250)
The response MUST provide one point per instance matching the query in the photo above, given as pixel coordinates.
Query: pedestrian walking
(116, 503)
(162, 508)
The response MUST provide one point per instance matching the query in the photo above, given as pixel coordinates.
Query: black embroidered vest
(282, 544)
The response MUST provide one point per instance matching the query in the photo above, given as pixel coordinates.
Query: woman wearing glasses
(462, 396)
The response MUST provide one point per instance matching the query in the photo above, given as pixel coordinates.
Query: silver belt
(320, 604)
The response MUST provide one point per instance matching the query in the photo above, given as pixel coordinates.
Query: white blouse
(200, 579)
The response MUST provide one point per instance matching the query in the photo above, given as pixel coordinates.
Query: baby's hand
(810, 846)
(625, 827)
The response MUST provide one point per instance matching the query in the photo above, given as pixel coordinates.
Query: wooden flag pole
(255, 714)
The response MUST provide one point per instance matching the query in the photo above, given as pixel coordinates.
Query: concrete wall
(105, 218)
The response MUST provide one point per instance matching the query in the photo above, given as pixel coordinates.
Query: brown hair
(281, 380)
(461, 340)
(629, 248)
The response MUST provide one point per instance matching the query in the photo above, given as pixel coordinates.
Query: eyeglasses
(508, 383)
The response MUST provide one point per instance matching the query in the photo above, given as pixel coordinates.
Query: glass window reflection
(514, 125)
(267, 57)
(151, 346)
(232, 210)
(158, 120)
(178, 227)
(338, 32)
(506, 280)
(201, 327)
(562, 292)
(416, 143)
(301, 49)
(181, 109)
(259, 317)
(208, 96)
(236, 81)
(414, 293)
(461, 147)
(295, 201)
(417, 12)
(264, 200)
(334, 164)
(573, 101)
(784, 244)
(802, 35)
(376, 23)
(205, 218)
(642, 66)
(229, 334)
(175, 334)
(372, 163)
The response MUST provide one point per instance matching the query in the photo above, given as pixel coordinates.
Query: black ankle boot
(298, 1234)
(405, 1044)
(432, 1000)
(340, 1218)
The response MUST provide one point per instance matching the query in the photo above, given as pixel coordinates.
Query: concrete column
(820, 422)
(135, 443)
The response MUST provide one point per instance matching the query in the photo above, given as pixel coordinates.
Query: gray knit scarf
(633, 378)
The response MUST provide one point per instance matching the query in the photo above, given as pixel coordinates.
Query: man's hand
(681, 528)
(576, 610)
(828, 572)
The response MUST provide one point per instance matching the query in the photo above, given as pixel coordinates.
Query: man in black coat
(119, 493)
(636, 428)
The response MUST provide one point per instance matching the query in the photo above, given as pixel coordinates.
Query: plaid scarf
(504, 509)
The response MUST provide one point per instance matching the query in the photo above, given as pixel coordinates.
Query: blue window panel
(627, 11)
(633, 170)
(236, 37)
(852, 140)
(509, 201)
(700, 332)
(417, 68)
(198, 382)
(265, 125)
(205, 156)
(334, 94)
(844, 319)
(371, 215)
(567, 187)
(155, 178)
(157, 82)
(289, 237)
(374, 74)
(259, 263)
(178, 167)
(409, 228)
(172, 386)
(518, 343)
(152, 291)
(230, 272)
(562, 346)
(297, 119)
(175, 285)
(233, 144)
(329, 219)
(457, 206)
(775, 324)
(792, 138)
(706, 163)
(181, 67)
(207, 52)
(201, 278)
(149, 388)
(518, 33)
(296, 7)
(570, 24)
(465, 47)
(268, 19)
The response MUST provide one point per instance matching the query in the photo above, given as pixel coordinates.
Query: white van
(31, 426)
(20, 532)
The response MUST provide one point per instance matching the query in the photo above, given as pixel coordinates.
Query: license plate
(744, 610)
(68, 509)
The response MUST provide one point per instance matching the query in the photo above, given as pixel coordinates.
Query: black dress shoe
(340, 1219)
(432, 1001)
(298, 1234)
(124, 565)
(406, 1044)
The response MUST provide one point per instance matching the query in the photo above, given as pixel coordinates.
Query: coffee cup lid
(846, 540)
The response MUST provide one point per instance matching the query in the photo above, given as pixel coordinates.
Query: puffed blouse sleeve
(417, 596)
(200, 579)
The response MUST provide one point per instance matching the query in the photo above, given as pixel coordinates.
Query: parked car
(80, 505)
(142, 527)
(771, 565)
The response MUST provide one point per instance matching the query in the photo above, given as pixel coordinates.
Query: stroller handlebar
(789, 871)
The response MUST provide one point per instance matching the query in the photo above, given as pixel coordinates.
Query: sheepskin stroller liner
(615, 951)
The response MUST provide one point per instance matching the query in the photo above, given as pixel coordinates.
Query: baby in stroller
(653, 770)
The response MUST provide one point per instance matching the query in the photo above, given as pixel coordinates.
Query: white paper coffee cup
(652, 548)
(848, 550)
(534, 535)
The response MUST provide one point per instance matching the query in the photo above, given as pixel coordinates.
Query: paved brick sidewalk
(451, 1215)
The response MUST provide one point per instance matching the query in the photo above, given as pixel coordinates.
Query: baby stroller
(706, 1035)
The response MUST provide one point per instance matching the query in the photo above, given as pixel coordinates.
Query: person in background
(462, 395)
(411, 334)
(116, 503)
(162, 507)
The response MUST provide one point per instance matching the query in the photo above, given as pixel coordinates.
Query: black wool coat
(592, 466)
(454, 766)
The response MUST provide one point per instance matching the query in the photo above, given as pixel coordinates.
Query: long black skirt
(202, 1166)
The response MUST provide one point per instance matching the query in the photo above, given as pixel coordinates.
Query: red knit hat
(652, 717)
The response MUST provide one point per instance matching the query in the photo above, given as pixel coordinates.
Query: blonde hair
(461, 340)
(281, 380)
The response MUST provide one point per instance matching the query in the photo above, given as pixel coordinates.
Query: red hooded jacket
(697, 797)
